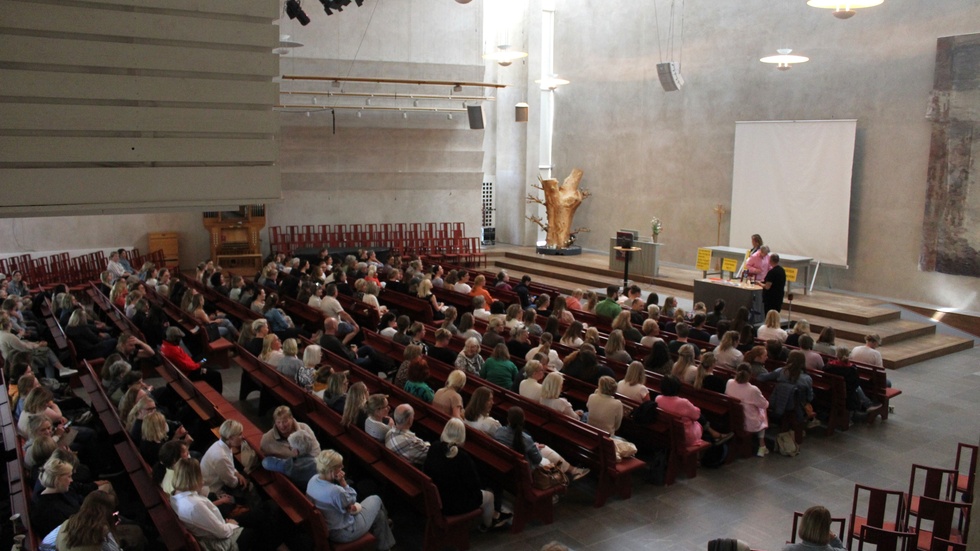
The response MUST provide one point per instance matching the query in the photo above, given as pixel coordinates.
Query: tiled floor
(754, 499)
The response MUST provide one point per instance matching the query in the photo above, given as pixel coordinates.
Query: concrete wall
(646, 152)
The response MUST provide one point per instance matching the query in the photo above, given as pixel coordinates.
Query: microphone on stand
(789, 297)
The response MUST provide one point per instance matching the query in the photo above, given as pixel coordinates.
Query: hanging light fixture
(504, 55)
(550, 83)
(784, 61)
(844, 9)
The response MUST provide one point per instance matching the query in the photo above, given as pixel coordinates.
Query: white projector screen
(792, 185)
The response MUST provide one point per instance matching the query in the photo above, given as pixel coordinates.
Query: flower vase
(656, 238)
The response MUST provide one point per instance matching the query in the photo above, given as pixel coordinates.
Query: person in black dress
(774, 285)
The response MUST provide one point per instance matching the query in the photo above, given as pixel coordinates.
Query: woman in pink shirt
(757, 266)
(690, 414)
(754, 404)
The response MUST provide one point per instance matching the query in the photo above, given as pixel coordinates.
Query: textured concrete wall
(646, 152)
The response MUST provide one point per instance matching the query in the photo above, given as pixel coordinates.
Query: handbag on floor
(786, 444)
(624, 448)
(544, 477)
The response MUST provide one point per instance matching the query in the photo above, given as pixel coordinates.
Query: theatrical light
(458, 88)
(844, 9)
(295, 11)
(784, 61)
(462, 1)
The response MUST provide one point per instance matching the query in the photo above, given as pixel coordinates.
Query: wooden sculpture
(561, 202)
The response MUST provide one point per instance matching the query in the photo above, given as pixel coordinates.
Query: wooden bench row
(172, 532)
(357, 447)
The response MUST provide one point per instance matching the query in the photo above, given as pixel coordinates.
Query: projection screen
(792, 185)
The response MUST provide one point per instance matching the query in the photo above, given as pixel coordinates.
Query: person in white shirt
(868, 354)
(554, 360)
(530, 387)
(218, 463)
(771, 329)
(115, 268)
(633, 385)
(195, 511)
(462, 286)
(480, 311)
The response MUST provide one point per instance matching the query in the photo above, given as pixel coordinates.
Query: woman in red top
(195, 371)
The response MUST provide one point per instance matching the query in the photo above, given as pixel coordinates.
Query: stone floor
(754, 499)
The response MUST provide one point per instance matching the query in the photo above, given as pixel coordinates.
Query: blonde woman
(651, 333)
(624, 324)
(357, 397)
(772, 329)
(633, 385)
(348, 520)
(447, 399)
(616, 348)
(605, 411)
(551, 396)
(272, 352)
(684, 368)
(726, 354)
(802, 327)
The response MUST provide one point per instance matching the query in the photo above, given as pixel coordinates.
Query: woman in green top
(418, 374)
(498, 369)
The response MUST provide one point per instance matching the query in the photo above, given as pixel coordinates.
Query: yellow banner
(790, 274)
(704, 260)
(729, 265)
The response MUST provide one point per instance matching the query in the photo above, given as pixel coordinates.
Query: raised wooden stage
(904, 342)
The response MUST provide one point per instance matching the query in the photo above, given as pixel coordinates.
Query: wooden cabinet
(166, 242)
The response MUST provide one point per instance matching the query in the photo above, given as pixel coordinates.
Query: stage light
(295, 11)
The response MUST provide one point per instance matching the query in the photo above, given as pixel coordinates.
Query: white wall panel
(138, 104)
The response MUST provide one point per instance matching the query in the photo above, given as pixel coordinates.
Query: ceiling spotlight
(404, 115)
(784, 61)
(504, 55)
(367, 101)
(358, 114)
(335, 84)
(462, 1)
(844, 9)
(307, 114)
(416, 103)
(449, 116)
(550, 83)
(314, 100)
(295, 11)
(458, 88)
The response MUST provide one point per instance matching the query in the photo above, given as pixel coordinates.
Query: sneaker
(723, 438)
(814, 423)
(763, 451)
(579, 472)
(503, 520)
(66, 372)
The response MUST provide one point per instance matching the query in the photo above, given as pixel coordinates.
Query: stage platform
(904, 341)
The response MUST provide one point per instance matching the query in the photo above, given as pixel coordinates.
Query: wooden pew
(217, 351)
(170, 529)
(573, 439)
(214, 409)
(380, 462)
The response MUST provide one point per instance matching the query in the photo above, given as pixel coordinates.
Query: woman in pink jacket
(690, 414)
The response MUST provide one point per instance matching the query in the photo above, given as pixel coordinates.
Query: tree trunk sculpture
(561, 202)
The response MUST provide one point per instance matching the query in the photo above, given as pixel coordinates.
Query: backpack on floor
(786, 444)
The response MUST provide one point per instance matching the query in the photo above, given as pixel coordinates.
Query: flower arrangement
(656, 226)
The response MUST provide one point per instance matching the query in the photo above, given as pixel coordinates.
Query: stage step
(905, 342)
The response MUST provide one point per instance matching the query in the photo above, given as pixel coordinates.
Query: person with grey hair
(218, 463)
(172, 350)
(275, 441)
(347, 518)
(480, 311)
(454, 473)
(469, 359)
(301, 467)
(403, 441)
